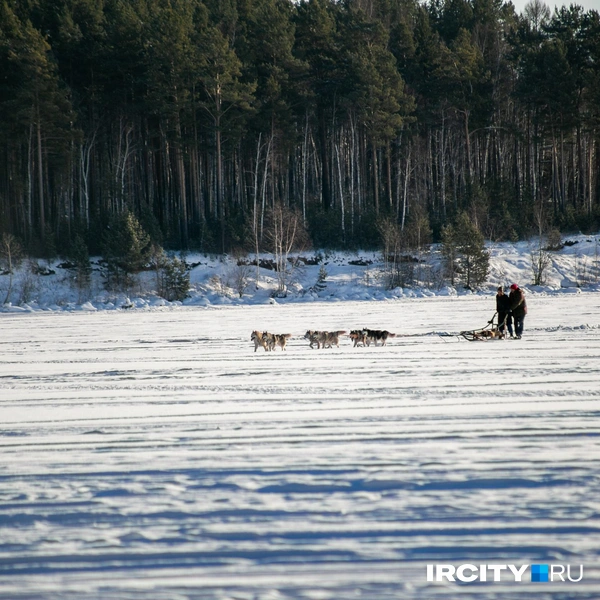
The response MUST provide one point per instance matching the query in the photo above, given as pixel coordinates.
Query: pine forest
(215, 122)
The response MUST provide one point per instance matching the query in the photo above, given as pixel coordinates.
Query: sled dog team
(321, 339)
(508, 308)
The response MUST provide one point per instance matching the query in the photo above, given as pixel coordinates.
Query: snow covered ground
(153, 454)
(358, 276)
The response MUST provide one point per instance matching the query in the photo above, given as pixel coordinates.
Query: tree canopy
(203, 117)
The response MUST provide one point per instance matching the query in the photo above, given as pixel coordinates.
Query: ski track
(154, 454)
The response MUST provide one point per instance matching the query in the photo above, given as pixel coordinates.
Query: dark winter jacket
(502, 304)
(518, 305)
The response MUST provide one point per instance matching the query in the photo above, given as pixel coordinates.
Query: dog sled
(492, 331)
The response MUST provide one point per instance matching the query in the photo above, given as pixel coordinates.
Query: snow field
(153, 454)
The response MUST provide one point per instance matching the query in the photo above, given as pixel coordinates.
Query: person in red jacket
(518, 306)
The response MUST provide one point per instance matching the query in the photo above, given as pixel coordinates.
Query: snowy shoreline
(355, 276)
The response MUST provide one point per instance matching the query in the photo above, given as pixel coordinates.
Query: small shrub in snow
(554, 240)
(79, 261)
(29, 283)
(540, 262)
(173, 278)
(239, 278)
(585, 274)
(219, 284)
(285, 232)
(11, 256)
(321, 282)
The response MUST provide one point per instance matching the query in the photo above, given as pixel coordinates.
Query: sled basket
(491, 331)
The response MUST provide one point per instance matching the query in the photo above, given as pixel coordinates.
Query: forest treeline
(202, 117)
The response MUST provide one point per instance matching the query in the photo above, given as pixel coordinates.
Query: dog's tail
(286, 335)
(391, 335)
(340, 332)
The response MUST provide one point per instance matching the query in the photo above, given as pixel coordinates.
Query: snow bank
(358, 276)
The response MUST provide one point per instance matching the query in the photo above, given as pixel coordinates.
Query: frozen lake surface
(155, 455)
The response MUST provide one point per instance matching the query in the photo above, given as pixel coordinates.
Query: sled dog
(313, 337)
(358, 336)
(332, 337)
(323, 339)
(378, 335)
(277, 339)
(260, 340)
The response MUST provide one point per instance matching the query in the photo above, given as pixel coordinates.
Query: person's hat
(514, 286)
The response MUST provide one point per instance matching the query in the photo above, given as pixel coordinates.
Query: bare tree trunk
(219, 183)
(580, 169)
(589, 174)
(30, 169)
(388, 155)
(405, 193)
(84, 161)
(41, 198)
(340, 181)
(353, 158)
(563, 169)
(468, 146)
(517, 169)
(556, 195)
(442, 155)
(272, 164)
(183, 220)
(255, 208)
(375, 178)
(430, 184)
(325, 168)
(304, 166)
(264, 186)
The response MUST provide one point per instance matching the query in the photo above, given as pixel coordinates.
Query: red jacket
(518, 305)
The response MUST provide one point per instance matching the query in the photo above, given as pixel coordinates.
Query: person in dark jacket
(518, 306)
(503, 310)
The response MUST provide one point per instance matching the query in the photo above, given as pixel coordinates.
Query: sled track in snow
(192, 467)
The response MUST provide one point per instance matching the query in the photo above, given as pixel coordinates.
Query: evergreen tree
(126, 250)
(464, 250)
(205, 114)
(317, 44)
(37, 119)
(173, 278)
(225, 98)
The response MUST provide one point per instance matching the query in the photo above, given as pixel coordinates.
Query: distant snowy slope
(348, 276)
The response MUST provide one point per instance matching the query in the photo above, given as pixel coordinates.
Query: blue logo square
(539, 573)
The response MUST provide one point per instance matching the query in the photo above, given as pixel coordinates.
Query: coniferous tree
(205, 114)
(126, 250)
(37, 120)
(226, 99)
(174, 278)
(464, 249)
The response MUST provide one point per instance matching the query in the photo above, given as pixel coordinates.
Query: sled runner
(491, 331)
